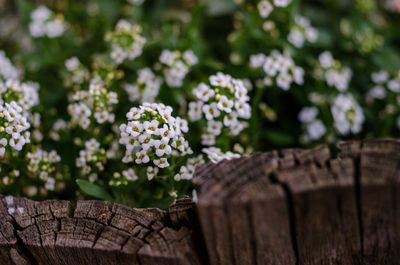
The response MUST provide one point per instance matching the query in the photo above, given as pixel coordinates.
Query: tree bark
(288, 207)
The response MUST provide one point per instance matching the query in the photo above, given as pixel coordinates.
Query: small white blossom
(176, 65)
(279, 69)
(301, 32)
(333, 73)
(282, 3)
(216, 155)
(7, 69)
(44, 23)
(265, 8)
(42, 164)
(146, 87)
(126, 41)
(98, 103)
(91, 159)
(347, 114)
(187, 171)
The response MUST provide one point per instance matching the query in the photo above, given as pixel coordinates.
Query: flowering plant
(121, 100)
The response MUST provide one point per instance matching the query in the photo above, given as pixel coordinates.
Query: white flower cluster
(98, 101)
(126, 41)
(177, 65)
(78, 71)
(278, 67)
(146, 87)
(347, 114)
(222, 103)
(266, 7)
(383, 83)
(152, 136)
(91, 159)
(45, 23)
(302, 31)
(123, 178)
(43, 165)
(187, 171)
(25, 94)
(7, 69)
(216, 155)
(334, 74)
(315, 128)
(13, 127)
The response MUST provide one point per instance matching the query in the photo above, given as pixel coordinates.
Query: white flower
(162, 148)
(394, 85)
(150, 127)
(220, 80)
(126, 41)
(129, 174)
(208, 139)
(302, 31)
(152, 172)
(284, 80)
(347, 114)
(3, 144)
(161, 163)
(195, 110)
(72, 64)
(278, 67)
(326, 60)
(142, 157)
(216, 155)
(134, 113)
(308, 114)
(257, 60)
(211, 111)
(296, 38)
(176, 65)
(146, 88)
(7, 69)
(133, 128)
(45, 23)
(203, 92)
(380, 77)
(316, 129)
(166, 133)
(92, 158)
(282, 3)
(264, 8)
(214, 127)
(97, 102)
(378, 92)
(224, 104)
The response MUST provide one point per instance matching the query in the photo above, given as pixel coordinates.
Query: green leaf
(280, 137)
(93, 190)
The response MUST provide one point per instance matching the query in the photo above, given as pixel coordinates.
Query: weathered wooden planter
(288, 207)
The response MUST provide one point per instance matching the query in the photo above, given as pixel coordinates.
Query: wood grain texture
(93, 232)
(297, 206)
(287, 207)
